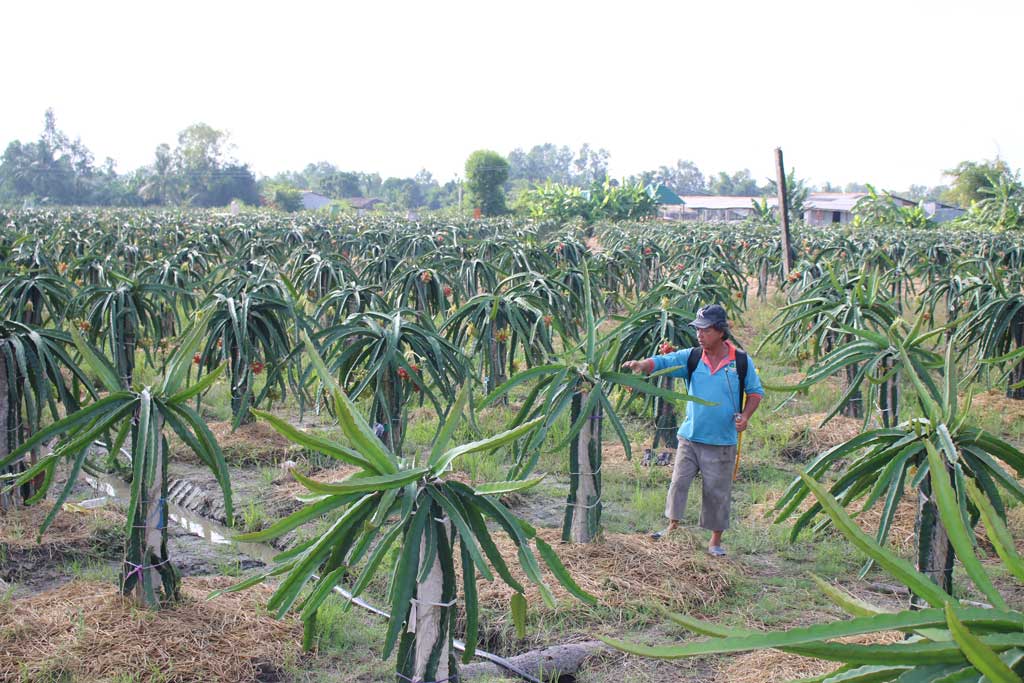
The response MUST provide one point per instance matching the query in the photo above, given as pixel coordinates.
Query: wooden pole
(787, 249)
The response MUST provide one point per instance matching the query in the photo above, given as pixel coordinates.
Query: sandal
(717, 551)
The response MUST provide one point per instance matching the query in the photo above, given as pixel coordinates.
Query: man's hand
(638, 366)
(741, 422)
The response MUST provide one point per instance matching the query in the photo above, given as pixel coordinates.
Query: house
(940, 213)
(363, 204)
(312, 200)
(669, 203)
(720, 208)
(824, 208)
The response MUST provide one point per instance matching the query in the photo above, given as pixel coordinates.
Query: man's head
(712, 325)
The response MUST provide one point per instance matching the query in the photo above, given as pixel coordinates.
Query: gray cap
(713, 315)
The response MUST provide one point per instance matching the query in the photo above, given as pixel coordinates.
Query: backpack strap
(691, 362)
(741, 373)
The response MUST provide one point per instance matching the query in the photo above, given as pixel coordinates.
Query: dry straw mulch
(71, 531)
(901, 530)
(773, 666)
(250, 444)
(86, 631)
(619, 570)
(289, 487)
(995, 401)
(808, 437)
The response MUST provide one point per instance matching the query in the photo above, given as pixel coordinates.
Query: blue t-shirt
(714, 424)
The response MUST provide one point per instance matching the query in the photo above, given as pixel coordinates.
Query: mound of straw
(289, 487)
(773, 666)
(619, 570)
(253, 443)
(995, 401)
(808, 437)
(901, 530)
(75, 530)
(86, 631)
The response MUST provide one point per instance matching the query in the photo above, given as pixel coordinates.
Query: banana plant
(148, 573)
(32, 384)
(944, 641)
(581, 380)
(882, 463)
(406, 509)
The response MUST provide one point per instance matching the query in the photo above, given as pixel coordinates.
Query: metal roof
(723, 202)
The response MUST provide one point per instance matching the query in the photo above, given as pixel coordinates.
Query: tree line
(201, 170)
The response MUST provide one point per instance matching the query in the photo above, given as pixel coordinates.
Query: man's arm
(750, 405)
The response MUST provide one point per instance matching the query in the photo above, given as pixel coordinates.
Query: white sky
(885, 92)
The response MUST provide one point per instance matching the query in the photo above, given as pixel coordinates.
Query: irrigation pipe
(457, 644)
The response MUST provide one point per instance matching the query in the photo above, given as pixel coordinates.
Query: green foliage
(944, 642)
(283, 197)
(486, 173)
(412, 508)
(971, 178)
(797, 192)
(142, 415)
(602, 201)
(1002, 205)
(883, 210)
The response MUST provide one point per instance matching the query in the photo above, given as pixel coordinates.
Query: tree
(53, 169)
(403, 192)
(162, 185)
(341, 185)
(739, 184)
(209, 175)
(684, 178)
(796, 194)
(542, 162)
(486, 173)
(971, 179)
(283, 197)
(590, 166)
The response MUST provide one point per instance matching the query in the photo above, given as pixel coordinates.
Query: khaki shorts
(715, 464)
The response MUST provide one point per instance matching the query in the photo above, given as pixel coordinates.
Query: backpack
(741, 368)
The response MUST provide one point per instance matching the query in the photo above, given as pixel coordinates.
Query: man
(708, 435)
